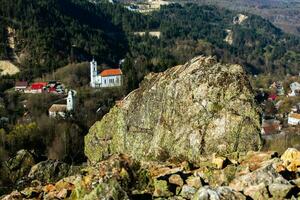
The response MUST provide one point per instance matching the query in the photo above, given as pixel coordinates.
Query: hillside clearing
(7, 68)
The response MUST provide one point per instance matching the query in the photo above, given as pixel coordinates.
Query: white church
(60, 110)
(107, 78)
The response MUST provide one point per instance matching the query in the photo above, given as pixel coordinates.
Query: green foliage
(22, 136)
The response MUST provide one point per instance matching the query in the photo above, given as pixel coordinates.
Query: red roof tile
(39, 85)
(111, 72)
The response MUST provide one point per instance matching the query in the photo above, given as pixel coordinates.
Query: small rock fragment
(176, 180)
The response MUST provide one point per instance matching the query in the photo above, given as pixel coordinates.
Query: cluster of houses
(271, 125)
(145, 6)
(40, 87)
(112, 77)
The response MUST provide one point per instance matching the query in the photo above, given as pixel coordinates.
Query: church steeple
(93, 72)
(70, 100)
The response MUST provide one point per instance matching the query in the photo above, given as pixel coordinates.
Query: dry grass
(7, 68)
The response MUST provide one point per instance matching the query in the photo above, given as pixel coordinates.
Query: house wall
(111, 81)
(293, 121)
(55, 114)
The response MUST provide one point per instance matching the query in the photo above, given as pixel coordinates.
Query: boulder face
(189, 110)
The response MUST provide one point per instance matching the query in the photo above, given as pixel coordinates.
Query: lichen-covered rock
(291, 159)
(161, 189)
(265, 175)
(19, 166)
(280, 191)
(176, 180)
(51, 171)
(221, 193)
(189, 110)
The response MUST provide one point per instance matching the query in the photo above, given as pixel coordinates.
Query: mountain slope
(284, 14)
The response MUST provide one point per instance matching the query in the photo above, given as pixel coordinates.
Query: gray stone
(187, 191)
(280, 191)
(219, 193)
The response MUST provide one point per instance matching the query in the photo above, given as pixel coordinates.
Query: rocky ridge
(190, 110)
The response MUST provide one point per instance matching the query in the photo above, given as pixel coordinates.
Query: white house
(21, 86)
(107, 78)
(61, 109)
(294, 119)
(295, 89)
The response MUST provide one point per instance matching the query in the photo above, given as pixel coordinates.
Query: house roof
(271, 129)
(21, 84)
(271, 126)
(38, 85)
(111, 72)
(294, 115)
(58, 108)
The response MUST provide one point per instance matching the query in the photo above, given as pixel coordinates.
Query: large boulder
(189, 110)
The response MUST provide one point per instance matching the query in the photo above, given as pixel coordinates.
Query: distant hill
(283, 13)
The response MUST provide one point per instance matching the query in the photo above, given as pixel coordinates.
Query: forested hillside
(49, 34)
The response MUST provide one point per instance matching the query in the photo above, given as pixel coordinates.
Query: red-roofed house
(107, 78)
(37, 87)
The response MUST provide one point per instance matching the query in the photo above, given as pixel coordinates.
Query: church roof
(58, 108)
(111, 72)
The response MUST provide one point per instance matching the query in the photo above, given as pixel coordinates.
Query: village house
(37, 87)
(270, 126)
(21, 86)
(60, 110)
(294, 119)
(295, 89)
(107, 78)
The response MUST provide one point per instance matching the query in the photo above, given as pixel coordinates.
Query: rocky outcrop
(121, 177)
(189, 110)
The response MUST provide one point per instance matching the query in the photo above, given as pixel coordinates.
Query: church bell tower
(93, 68)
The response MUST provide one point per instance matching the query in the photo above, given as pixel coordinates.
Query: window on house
(111, 80)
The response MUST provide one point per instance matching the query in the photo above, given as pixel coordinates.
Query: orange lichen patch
(49, 188)
(254, 160)
(163, 171)
(111, 72)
